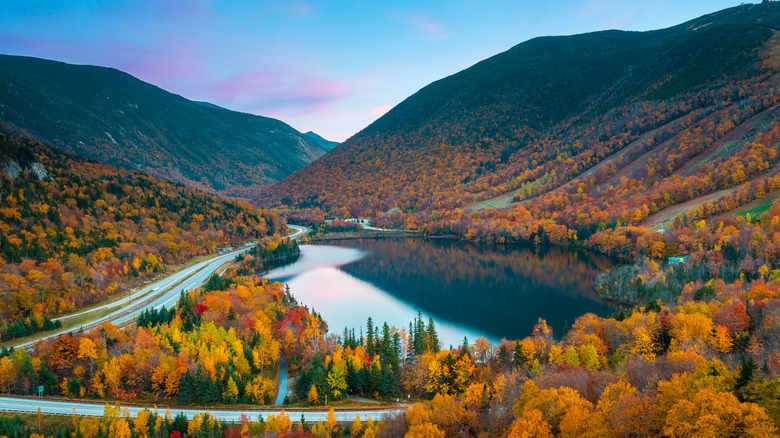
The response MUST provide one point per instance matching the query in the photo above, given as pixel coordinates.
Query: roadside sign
(40, 391)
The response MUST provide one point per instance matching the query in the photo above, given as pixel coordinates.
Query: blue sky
(332, 67)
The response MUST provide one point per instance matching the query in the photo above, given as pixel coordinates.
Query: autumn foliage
(73, 232)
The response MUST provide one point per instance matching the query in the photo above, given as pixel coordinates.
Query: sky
(331, 67)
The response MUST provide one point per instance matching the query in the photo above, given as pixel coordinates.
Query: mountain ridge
(327, 144)
(536, 116)
(108, 115)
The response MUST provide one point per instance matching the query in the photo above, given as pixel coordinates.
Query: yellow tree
(336, 380)
(111, 372)
(463, 371)
(6, 373)
(141, 423)
(531, 425)
(356, 427)
(313, 397)
(231, 394)
(88, 350)
(589, 357)
(425, 430)
(120, 429)
(713, 413)
(721, 341)
(266, 351)
(331, 423)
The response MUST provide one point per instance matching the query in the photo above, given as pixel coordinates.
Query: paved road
(299, 231)
(283, 391)
(60, 407)
(164, 292)
(282, 381)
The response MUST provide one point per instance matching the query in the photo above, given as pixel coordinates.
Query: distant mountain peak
(327, 144)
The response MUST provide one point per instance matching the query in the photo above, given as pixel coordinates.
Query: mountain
(209, 105)
(110, 116)
(327, 144)
(554, 127)
(75, 231)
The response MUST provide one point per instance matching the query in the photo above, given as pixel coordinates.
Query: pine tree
(433, 337)
(420, 337)
(375, 378)
(413, 350)
(389, 384)
(302, 385)
(186, 389)
(352, 378)
(464, 349)
(370, 347)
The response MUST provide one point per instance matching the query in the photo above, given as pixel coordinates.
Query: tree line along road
(166, 293)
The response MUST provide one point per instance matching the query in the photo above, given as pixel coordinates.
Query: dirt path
(505, 199)
(665, 217)
(752, 126)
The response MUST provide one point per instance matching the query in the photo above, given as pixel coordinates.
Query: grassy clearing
(67, 324)
(48, 422)
(497, 202)
(759, 207)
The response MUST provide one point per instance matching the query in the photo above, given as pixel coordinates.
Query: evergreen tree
(519, 358)
(180, 423)
(503, 355)
(375, 378)
(412, 351)
(364, 381)
(420, 336)
(186, 389)
(746, 370)
(352, 378)
(213, 392)
(370, 347)
(433, 337)
(302, 385)
(386, 345)
(202, 387)
(48, 380)
(464, 349)
(389, 384)
(319, 378)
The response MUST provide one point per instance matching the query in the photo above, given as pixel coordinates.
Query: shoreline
(365, 234)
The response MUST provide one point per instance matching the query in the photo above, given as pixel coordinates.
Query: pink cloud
(380, 110)
(303, 9)
(173, 59)
(280, 92)
(429, 27)
(165, 64)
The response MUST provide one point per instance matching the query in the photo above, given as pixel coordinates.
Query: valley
(578, 236)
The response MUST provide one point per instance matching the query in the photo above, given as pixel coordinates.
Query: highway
(164, 292)
(62, 407)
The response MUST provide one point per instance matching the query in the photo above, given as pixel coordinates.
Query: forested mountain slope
(576, 119)
(110, 116)
(73, 231)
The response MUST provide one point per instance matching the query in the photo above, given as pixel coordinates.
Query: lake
(469, 290)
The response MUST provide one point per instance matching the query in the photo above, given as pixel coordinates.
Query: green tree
(336, 381)
(433, 337)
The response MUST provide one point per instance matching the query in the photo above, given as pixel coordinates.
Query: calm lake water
(491, 291)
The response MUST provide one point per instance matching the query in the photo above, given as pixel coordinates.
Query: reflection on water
(496, 292)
